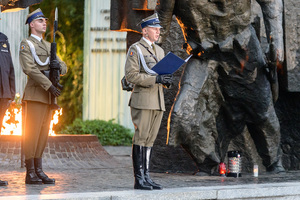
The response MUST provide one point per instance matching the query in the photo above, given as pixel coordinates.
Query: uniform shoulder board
(130, 50)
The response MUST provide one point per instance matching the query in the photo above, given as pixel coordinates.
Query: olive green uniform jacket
(146, 93)
(37, 84)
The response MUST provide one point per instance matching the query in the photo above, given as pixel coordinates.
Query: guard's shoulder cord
(36, 58)
(146, 68)
(150, 52)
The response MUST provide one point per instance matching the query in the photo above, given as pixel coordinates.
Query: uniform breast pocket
(150, 61)
(42, 55)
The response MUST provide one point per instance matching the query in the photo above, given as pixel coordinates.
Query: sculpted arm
(272, 13)
(164, 10)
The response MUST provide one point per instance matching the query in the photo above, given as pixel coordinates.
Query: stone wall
(292, 45)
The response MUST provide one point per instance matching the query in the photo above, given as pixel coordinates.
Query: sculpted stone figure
(226, 73)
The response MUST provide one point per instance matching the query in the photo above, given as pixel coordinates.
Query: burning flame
(12, 121)
(54, 121)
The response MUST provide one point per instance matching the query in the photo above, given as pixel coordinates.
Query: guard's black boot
(147, 156)
(3, 183)
(276, 168)
(31, 177)
(39, 172)
(137, 161)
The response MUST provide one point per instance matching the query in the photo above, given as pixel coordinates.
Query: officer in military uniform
(34, 59)
(7, 80)
(147, 98)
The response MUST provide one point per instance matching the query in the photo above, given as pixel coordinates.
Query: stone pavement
(61, 152)
(116, 182)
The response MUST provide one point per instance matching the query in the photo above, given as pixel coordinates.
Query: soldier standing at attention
(34, 59)
(147, 99)
(7, 81)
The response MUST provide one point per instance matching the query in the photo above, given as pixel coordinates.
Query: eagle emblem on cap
(4, 45)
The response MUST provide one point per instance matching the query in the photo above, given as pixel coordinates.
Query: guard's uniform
(35, 60)
(147, 98)
(36, 97)
(7, 77)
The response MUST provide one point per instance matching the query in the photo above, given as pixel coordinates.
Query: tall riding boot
(39, 172)
(137, 161)
(31, 177)
(146, 162)
(3, 183)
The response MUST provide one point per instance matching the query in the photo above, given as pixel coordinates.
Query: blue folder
(169, 64)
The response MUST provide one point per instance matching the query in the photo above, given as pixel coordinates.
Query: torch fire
(54, 121)
(12, 121)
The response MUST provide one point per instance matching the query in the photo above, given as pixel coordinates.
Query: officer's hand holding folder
(169, 64)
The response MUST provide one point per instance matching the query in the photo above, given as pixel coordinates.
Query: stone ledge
(270, 191)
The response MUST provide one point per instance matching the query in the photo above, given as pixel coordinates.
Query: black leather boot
(147, 156)
(137, 161)
(31, 177)
(3, 183)
(39, 171)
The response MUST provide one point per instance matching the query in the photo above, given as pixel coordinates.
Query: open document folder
(169, 64)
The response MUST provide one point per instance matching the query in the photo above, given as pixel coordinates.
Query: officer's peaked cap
(151, 21)
(37, 14)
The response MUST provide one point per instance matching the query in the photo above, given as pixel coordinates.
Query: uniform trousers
(3, 107)
(37, 120)
(146, 123)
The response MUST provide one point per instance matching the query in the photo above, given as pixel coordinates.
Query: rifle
(54, 65)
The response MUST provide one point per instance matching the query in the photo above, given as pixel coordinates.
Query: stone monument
(197, 155)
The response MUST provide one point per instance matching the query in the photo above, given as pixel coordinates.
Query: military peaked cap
(151, 21)
(37, 14)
